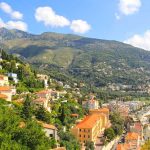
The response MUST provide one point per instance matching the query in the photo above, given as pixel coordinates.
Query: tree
(109, 134)
(89, 145)
(146, 146)
(27, 109)
(68, 141)
(43, 115)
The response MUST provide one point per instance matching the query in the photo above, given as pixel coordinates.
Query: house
(91, 104)
(89, 128)
(55, 95)
(4, 80)
(44, 94)
(123, 146)
(13, 76)
(50, 130)
(100, 111)
(44, 78)
(137, 128)
(7, 91)
(42, 102)
(133, 139)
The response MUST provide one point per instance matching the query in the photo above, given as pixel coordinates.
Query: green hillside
(95, 61)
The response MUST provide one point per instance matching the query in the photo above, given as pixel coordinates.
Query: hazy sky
(122, 20)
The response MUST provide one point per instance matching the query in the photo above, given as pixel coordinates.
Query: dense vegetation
(96, 62)
(27, 77)
(15, 136)
(116, 129)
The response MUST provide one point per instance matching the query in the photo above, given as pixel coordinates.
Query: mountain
(95, 61)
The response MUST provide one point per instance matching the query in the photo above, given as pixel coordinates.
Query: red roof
(132, 136)
(40, 100)
(123, 146)
(89, 121)
(47, 126)
(5, 88)
(74, 115)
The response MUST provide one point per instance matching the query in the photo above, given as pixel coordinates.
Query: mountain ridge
(98, 62)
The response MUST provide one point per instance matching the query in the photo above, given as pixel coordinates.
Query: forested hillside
(99, 62)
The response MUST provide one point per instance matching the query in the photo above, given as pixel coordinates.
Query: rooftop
(132, 136)
(5, 88)
(89, 121)
(40, 100)
(47, 126)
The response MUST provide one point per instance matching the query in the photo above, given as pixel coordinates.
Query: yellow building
(100, 111)
(90, 127)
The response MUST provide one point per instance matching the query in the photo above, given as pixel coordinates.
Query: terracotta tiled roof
(3, 96)
(132, 136)
(123, 146)
(101, 110)
(47, 126)
(39, 100)
(89, 121)
(43, 92)
(74, 115)
(5, 88)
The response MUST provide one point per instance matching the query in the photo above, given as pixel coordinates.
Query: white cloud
(14, 25)
(80, 26)
(7, 9)
(128, 7)
(141, 41)
(50, 18)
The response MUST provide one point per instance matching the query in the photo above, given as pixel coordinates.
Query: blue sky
(122, 20)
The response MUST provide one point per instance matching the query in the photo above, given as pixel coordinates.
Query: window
(80, 135)
(80, 130)
(88, 130)
(51, 135)
(84, 130)
(84, 135)
(88, 136)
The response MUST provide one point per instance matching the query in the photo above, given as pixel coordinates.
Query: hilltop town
(64, 116)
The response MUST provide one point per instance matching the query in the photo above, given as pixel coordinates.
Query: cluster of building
(124, 108)
(92, 125)
(142, 89)
(132, 142)
(46, 96)
(6, 91)
(138, 130)
(43, 98)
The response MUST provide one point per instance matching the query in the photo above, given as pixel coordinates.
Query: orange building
(6, 92)
(100, 111)
(133, 139)
(90, 127)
